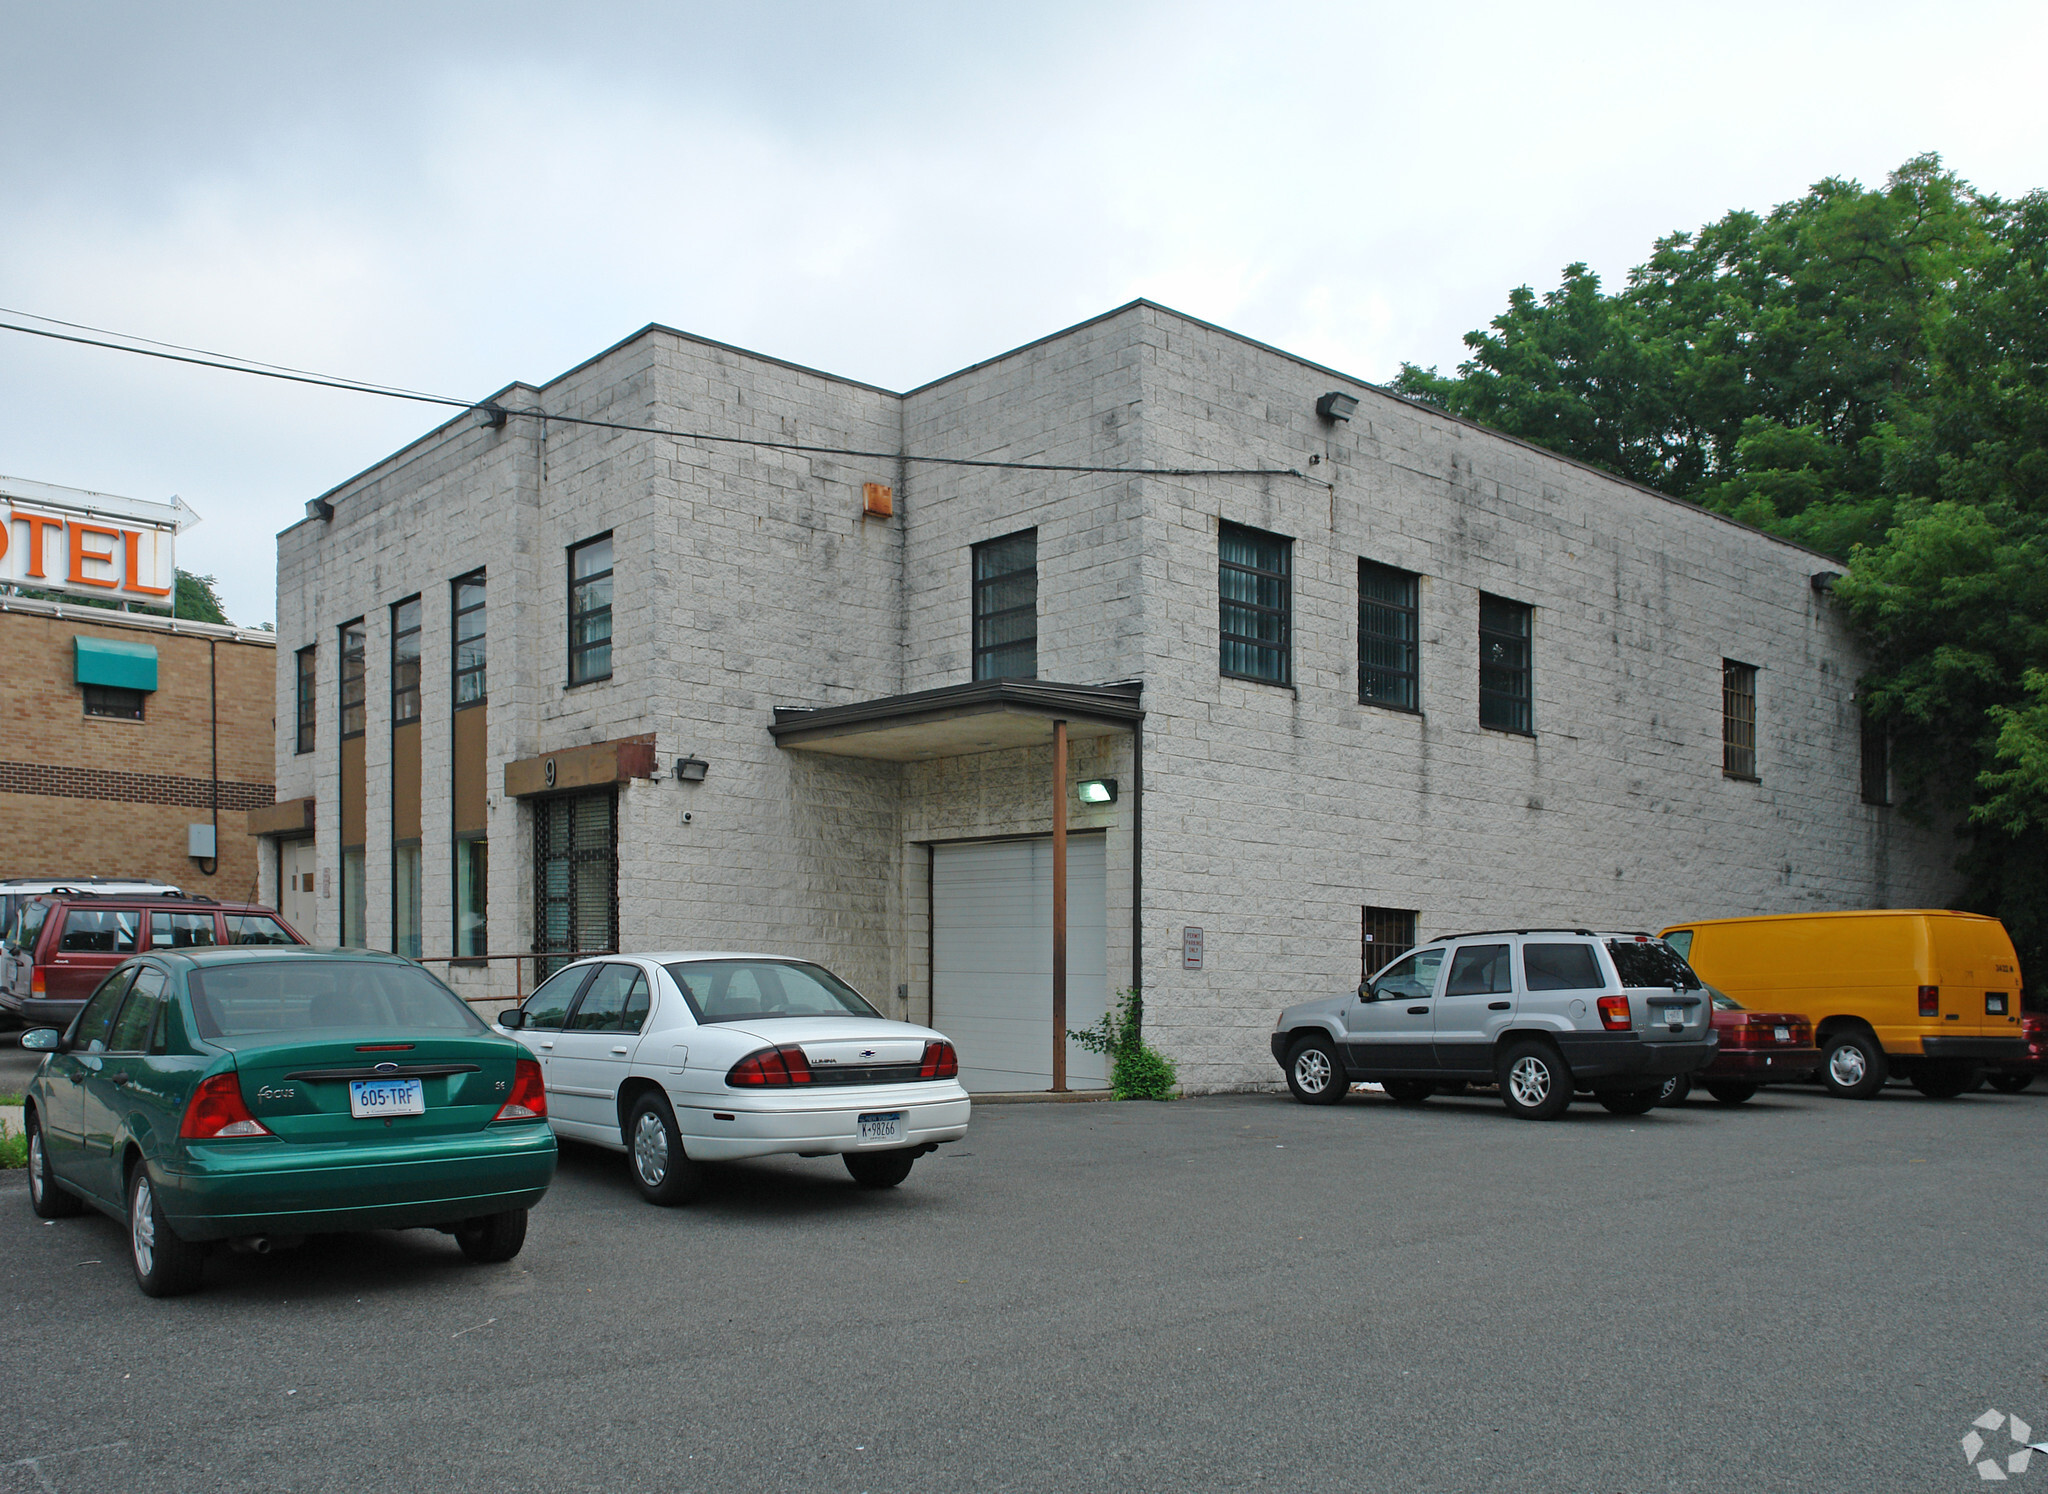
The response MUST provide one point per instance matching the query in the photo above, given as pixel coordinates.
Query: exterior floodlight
(1097, 791)
(691, 769)
(488, 417)
(1824, 581)
(1336, 406)
(319, 508)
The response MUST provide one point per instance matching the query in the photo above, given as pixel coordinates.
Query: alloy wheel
(650, 1149)
(37, 1182)
(142, 1228)
(1312, 1070)
(1846, 1066)
(1529, 1079)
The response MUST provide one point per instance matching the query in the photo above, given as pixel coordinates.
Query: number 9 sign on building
(89, 544)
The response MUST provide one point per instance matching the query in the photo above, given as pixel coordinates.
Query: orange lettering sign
(133, 541)
(80, 555)
(37, 523)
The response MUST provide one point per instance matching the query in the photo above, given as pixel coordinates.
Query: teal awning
(124, 666)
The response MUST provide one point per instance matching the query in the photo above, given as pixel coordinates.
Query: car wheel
(1315, 1073)
(46, 1195)
(664, 1174)
(2005, 1084)
(1853, 1067)
(1732, 1094)
(1408, 1091)
(1674, 1090)
(165, 1266)
(1941, 1080)
(879, 1169)
(1630, 1101)
(495, 1237)
(1534, 1082)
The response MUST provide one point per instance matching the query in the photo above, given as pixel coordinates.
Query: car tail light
(529, 1095)
(1614, 1013)
(216, 1112)
(1930, 1001)
(939, 1061)
(771, 1066)
(35, 982)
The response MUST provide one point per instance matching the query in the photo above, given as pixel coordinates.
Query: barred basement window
(1506, 682)
(1389, 934)
(1738, 720)
(113, 702)
(352, 681)
(308, 701)
(1387, 614)
(1006, 607)
(1877, 763)
(405, 664)
(1254, 576)
(590, 610)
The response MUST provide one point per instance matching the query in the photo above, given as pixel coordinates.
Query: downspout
(1138, 881)
(213, 710)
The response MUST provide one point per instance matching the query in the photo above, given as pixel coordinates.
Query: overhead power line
(228, 363)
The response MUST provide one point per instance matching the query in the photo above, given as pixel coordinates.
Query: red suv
(62, 946)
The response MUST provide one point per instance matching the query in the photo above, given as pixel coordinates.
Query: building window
(1877, 763)
(405, 899)
(575, 878)
(354, 911)
(1389, 934)
(1387, 615)
(405, 662)
(469, 640)
(113, 702)
(352, 685)
(1506, 690)
(1256, 604)
(1006, 608)
(472, 893)
(308, 708)
(590, 610)
(1738, 720)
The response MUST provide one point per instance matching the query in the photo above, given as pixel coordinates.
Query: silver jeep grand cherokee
(1540, 1012)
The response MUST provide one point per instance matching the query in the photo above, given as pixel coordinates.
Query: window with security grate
(1387, 616)
(575, 878)
(1256, 604)
(1506, 680)
(1738, 720)
(1389, 934)
(1006, 607)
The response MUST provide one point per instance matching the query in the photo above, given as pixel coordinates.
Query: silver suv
(1540, 1012)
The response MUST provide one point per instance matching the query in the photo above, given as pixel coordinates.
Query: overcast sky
(451, 197)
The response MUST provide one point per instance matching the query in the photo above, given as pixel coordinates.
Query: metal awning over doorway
(994, 716)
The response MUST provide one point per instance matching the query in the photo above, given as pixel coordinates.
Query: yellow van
(1927, 994)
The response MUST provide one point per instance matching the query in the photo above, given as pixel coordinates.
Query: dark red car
(1757, 1048)
(2010, 1076)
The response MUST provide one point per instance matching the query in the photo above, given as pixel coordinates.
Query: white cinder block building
(1360, 672)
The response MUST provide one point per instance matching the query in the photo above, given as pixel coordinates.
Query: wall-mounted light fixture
(1096, 791)
(319, 508)
(489, 417)
(1336, 406)
(1824, 581)
(691, 769)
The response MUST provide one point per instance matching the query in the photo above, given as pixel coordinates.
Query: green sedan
(257, 1095)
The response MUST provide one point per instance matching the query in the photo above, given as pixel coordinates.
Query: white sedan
(677, 1059)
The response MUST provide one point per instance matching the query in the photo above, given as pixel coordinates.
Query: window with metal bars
(590, 610)
(308, 698)
(469, 640)
(1387, 614)
(575, 878)
(1506, 680)
(353, 685)
(405, 663)
(1006, 607)
(1389, 934)
(1877, 763)
(1738, 720)
(1254, 582)
(113, 702)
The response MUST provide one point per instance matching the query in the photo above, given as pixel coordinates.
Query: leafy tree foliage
(1864, 371)
(195, 597)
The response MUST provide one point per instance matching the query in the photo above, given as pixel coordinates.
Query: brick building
(1339, 669)
(118, 729)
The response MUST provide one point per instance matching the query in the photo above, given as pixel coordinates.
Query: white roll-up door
(992, 958)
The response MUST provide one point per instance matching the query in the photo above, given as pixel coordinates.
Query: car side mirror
(512, 1018)
(43, 1040)
(1366, 992)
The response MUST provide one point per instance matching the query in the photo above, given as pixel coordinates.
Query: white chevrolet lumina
(678, 1059)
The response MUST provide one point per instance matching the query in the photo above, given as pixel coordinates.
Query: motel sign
(89, 544)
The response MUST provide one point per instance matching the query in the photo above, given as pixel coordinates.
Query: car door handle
(619, 1050)
(547, 1045)
(1500, 1006)
(1418, 1011)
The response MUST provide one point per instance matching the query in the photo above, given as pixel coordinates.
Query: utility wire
(228, 364)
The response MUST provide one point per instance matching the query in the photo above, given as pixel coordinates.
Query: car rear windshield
(744, 990)
(1651, 963)
(307, 996)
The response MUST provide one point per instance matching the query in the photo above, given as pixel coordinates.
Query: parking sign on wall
(1190, 949)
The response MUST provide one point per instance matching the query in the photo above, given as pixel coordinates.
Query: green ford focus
(257, 1095)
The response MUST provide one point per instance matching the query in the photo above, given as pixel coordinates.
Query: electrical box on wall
(199, 842)
(878, 500)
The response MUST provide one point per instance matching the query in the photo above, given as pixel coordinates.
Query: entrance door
(575, 877)
(992, 958)
(296, 862)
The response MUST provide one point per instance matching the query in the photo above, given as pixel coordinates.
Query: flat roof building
(693, 647)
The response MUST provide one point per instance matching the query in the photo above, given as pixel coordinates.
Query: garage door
(992, 958)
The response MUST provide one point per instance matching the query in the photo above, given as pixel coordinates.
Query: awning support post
(1059, 907)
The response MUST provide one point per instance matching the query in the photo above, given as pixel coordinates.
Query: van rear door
(1977, 973)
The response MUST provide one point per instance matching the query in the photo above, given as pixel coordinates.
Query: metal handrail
(518, 973)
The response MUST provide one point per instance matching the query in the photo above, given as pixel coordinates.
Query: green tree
(195, 598)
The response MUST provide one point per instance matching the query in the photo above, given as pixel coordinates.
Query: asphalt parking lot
(1227, 1293)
